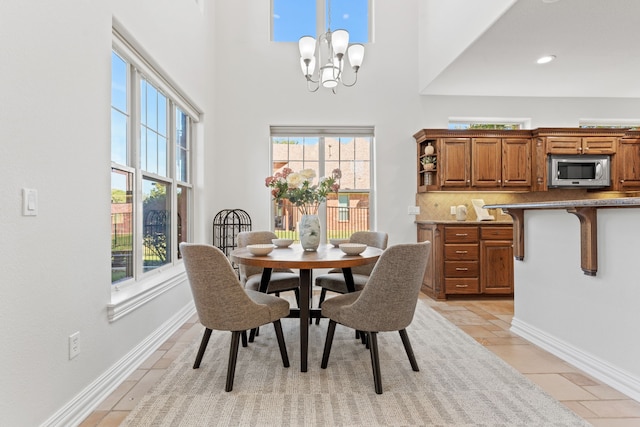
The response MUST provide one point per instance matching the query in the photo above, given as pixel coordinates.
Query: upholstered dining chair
(334, 280)
(222, 304)
(282, 279)
(386, 303)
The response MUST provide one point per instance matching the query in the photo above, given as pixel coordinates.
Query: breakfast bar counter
(585, 210)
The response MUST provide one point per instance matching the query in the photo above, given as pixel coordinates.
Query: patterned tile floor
(486, 320)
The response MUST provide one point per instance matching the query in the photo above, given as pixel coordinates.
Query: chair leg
(375, 361)
(327, 343)
(244, 338)
(203, 347)
(409, 350)
(323, 295)
(233, 356)
(297, 292)
(283, 348)
(253, 334)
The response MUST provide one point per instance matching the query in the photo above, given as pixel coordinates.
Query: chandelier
(328, 51)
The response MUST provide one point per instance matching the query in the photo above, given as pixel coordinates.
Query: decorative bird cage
(226, 226)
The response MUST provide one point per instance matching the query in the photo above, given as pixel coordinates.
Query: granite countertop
(507, 221)
(625, 202)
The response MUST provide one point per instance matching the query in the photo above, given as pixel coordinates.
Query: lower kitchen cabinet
(468, 259)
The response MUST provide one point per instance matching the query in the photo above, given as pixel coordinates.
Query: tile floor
(486, 320)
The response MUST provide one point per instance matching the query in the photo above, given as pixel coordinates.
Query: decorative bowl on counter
(336, 242)
(282, 243)
(352, 248)
(261, 249)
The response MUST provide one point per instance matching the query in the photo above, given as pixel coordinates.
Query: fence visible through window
(341, 221)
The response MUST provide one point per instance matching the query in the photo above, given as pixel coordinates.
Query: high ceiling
(492, 50)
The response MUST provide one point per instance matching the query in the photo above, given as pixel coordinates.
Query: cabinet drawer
(462, 286)
(461, 252)
(461, 269)
(496, 233)
(461, 234)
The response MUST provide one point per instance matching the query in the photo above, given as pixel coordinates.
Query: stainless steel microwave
(579, 171)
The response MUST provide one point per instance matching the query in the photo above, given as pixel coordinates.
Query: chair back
(220, 299)
(377, 239)
(246, 238)
(389, 300)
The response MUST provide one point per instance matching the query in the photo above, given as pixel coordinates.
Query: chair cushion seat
(335, 282)
(280, 282)
(278, 307)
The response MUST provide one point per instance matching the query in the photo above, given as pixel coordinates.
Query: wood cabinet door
(627, 165)
(516, 162)
(453, 162)
(486, 162)
(564, 145)
(496, 274)
(598, 145)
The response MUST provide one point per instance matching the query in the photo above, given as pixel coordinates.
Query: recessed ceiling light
(546, 59)
(549, 1)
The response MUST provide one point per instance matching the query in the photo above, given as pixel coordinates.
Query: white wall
(590, 321)
(54, 117)
(55, 123)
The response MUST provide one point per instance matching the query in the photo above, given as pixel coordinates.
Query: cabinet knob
(622, 181)
(586, 148)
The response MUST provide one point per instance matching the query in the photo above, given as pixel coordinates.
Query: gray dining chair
(282, 279)
(334, 280)
(386, 303)
(222, 304)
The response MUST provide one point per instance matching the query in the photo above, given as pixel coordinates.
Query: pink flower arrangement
(297, 187)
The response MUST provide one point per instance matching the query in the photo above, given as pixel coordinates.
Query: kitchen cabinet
(626, 164)
(581, 145)
(501, 162)
(468, 259)
(496, 253)
(454, 162)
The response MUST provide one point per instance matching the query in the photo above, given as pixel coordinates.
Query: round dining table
(294, 257)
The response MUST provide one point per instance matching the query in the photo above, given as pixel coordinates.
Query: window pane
(118, 83)
(182, 126)
(293, 19)
(152, 106)
(156, 227)
(351, 15)
(121, 225)
(162, 115)
(152, 151)
(119, 137)
(162, 156)
(183, 216)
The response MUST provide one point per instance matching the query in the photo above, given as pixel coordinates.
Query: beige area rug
(460, 383)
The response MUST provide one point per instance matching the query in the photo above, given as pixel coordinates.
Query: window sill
(127, 300)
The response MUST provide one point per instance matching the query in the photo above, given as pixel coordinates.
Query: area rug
(460, 383)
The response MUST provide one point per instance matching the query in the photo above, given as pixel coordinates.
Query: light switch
(29, 202)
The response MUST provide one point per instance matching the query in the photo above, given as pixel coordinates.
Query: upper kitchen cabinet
(501, 163)
(476, 160)
(626, 163)
(581, 145)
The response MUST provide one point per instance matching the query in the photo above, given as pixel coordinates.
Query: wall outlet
(74, 345)
(452, 210)
(413, 210)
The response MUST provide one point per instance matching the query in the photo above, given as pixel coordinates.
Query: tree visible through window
(150, 157)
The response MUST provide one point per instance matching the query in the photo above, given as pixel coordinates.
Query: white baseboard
(81, 406)
(600, 369)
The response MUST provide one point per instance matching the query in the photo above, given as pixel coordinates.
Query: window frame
(321, 134)
(461, 122)
(321, 22)
(143, 286)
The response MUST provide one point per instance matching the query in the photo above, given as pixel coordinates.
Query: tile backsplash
(436, 205)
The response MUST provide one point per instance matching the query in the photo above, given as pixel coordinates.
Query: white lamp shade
(356, 54)
(307, 46)
(312, 66)
(330, 74)
(340, 41)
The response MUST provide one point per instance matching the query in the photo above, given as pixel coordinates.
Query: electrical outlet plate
(452, 210)
(74, 345)
(413, 210)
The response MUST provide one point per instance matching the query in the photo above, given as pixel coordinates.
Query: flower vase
(309, 228)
